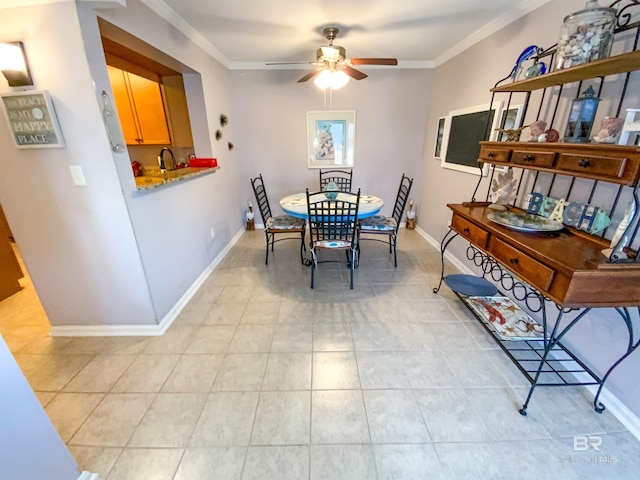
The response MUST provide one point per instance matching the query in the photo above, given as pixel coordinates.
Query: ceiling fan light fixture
(331, 79)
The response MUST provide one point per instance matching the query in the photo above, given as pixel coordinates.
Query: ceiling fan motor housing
(331, 54)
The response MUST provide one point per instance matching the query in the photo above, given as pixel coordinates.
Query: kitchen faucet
(161, 158)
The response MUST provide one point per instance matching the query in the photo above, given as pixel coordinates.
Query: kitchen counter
(153, 180)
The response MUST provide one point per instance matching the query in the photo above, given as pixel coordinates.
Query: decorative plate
(508, 320)
(470, 285)
(525, 222)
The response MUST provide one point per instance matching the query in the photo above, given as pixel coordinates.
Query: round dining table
(296, 204)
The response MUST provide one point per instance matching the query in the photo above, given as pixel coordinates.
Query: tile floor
(261, 377)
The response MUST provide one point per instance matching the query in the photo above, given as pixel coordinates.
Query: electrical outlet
(212, 232)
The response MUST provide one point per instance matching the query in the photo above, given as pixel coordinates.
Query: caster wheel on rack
(523, 412)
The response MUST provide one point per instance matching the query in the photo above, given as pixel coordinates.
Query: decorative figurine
(619, 240)
(549, 136)
(250, 218)
(526, 54)
(536, 129)
(411, 216)
(610, 128)
(503, 190)
(513, 135)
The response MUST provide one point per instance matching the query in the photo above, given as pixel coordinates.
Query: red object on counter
(135, 166)
(203, 162)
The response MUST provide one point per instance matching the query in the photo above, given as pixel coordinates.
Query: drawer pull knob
(466, 230)
(584, 163)
(529, 158)
(514, 261)
(491, 154)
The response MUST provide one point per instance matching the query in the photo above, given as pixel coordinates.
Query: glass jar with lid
(586, 35)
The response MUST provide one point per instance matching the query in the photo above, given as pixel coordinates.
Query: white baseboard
(608, 399)
(88, 476)
(146, 330)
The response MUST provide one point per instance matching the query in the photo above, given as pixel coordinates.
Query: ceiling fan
(334, 66)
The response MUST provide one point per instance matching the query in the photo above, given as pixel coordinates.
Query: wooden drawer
(533, 158)
(527, 268)
(494, 155)
(592, 165)
(471, 232)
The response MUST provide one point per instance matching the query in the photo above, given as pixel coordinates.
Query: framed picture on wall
(331, 139)
(32, 119)
(442, 122)
(462, 136)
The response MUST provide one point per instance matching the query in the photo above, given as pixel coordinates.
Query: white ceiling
(247, 34)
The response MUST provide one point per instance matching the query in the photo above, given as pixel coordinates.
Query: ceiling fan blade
(288, 63)
(353, 73)
(374, 61)
(310, 75)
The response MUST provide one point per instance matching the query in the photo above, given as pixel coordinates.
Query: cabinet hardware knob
(514, 261)
(491, 154)
(466, 230)
(529, 158)
(584, 163)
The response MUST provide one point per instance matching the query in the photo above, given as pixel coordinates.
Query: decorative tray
(525, 222)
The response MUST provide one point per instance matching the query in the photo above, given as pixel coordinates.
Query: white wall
(104, 254)
(30, 447)
(77, 241)
(465, 81)
(269, 108)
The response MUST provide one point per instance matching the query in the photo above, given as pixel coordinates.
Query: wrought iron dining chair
(380, 225)
(279, 224)
(332, 227)
(342, 178)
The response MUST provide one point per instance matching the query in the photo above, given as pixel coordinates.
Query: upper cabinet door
(126, 115)
(149, 109)
(140, 108)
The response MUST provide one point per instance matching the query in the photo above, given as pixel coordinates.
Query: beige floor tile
(226, 420)
(170, 421)
(193, 314)
(45, 397)
(146, 463)
(292, 337)
(343, 462)
(252, 339)
(282, 418)
(225, 314)
(338, 416)
(147, 373)
(67, 411)
(58, 371)
(335, 371)
(30, 363)
(288, 371)
(235, 294)
(175, 340)
(98, 460)
(100, 374)
(241, 372)
(260, 313)
(283, 463)
(194, 373)
(221, 463)
(211, 339)
(113, 420)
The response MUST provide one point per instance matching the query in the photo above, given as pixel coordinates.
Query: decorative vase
(331, 191)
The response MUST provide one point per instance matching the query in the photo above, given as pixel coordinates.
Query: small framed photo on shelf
(32, 119)
(331, 139)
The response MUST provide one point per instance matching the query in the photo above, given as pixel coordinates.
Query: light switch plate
(77, 175)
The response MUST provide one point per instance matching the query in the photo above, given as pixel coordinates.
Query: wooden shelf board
(627, 62)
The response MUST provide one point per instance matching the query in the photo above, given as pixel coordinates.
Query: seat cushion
(379, 223)
(331, 244)
(284, 222)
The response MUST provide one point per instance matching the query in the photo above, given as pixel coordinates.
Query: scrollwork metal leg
(446, 240)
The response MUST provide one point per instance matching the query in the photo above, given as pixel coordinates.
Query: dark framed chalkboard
(465, 129)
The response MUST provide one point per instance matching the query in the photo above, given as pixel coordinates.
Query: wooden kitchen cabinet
(178, 111)
(140, 108)
(10, 271)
